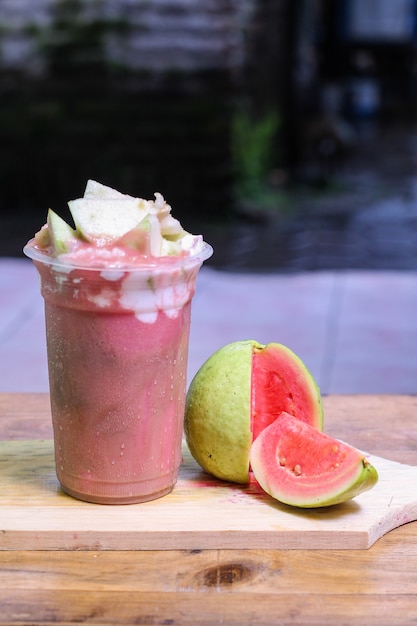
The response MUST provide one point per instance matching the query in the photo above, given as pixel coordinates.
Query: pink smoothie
(117, 344)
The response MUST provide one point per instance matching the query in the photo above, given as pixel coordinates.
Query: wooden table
(257, 587)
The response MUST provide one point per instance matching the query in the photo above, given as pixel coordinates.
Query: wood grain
(235, 587)
(212, 587)
(200, 513)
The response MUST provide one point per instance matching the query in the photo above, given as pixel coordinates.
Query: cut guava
(97, 190)
(301, 466)
(237, 392)
(107, 218)
(281, 382)
(145, 237)
(62, 236)
(103, 221)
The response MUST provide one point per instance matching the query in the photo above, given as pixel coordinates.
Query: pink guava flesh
(301, 466)
(282, 383)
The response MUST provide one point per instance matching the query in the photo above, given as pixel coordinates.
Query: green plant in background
(253, 152)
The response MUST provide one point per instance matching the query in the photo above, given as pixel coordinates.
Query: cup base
(116, 499)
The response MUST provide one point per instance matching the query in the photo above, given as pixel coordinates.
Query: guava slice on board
(300, 466)
(237, 392)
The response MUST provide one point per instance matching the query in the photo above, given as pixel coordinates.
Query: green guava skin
(218, 415)
(352, 476)
(61, 234)
(366, 478)
(217, 421)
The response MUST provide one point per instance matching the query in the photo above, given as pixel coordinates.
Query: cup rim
(198, 258)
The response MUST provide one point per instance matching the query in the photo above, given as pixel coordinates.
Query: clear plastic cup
(117, 344)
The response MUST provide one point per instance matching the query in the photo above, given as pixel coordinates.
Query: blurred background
(284, 130)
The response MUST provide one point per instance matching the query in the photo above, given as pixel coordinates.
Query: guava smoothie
(117, 329)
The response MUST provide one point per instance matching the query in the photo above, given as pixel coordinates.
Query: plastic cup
(117, 345)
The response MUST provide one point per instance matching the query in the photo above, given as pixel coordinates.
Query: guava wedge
(236, 393)
(300, 466)
(95, 190)
(103, 221)
(62, 236)
(145, 237)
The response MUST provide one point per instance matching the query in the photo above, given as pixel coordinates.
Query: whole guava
(240, 390)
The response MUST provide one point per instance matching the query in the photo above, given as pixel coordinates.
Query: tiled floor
(356, 331)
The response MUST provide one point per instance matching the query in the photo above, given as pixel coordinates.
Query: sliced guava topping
(102, 221)
(107, 219)
(145, 237)
(62, 236)
(97, 190)
(301, 466)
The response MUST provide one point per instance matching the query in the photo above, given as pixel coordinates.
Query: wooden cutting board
(201, 512)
